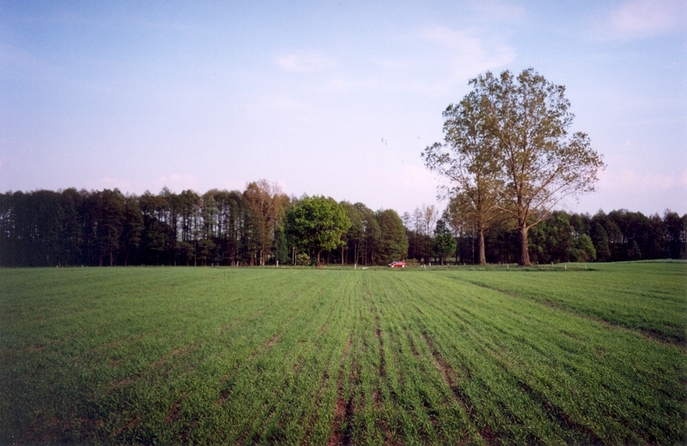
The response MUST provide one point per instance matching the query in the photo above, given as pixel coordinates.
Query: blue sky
(326, 97)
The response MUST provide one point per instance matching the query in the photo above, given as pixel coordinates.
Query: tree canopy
(393, 241)
(267, 203)
(515, 132)
(317, 224)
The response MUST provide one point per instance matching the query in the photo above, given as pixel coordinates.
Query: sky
(333, 98)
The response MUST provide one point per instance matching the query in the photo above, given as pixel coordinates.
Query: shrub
(303, 259)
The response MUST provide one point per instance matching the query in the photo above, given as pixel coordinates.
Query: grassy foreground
(301, 356)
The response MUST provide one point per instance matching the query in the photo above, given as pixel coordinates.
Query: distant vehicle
(399, 264)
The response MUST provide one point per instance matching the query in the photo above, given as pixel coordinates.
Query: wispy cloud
(645, 18)
(469, 51)
(305, 62)
(629, 181)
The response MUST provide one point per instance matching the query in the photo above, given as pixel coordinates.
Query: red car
(400, 264)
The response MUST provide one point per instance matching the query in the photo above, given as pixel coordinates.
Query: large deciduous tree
(372, 233)
(356, 233)
(522, 125)
(317, 224)
(469, 160)
(393, 241)
(266, 203)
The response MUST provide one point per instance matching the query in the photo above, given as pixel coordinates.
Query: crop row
(207, 355)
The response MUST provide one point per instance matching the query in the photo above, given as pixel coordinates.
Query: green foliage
(303, 259)
(317, 224)
(583, 249)
(600, 241)
(372, 233)
(469, 158)
(512, 150)
(444, 242)
(355, 236)
(393, 242)
(304, 356)
(552, 239)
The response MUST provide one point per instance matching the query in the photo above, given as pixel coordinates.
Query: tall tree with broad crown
(468, 159)
(317, 224)
(523, 123)
(393, 241)
(266, 203)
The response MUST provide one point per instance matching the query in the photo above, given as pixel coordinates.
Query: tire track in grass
(564, 426)
(318, 403)
(324, 380)
(470, 347)
(507, 406)
(174, 414)
(279, 418)
(227, 384)
(435, 420)
(648, 333)
(449, 375)
(551, 412)
(129, 426)
(558, 415)
(269, 411)
(343, 410)
(411, 342)
(571, 365)
(153, 366)
(377, 396)
(396, 396)
(378, 336)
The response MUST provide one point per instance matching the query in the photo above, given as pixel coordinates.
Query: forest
(259, 226)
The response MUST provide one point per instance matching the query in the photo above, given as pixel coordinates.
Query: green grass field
(329, 356)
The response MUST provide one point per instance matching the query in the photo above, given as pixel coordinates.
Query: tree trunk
(482, 252)
(472, 240)
(524, 246)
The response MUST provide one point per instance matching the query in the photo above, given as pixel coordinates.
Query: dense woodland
(255, 227)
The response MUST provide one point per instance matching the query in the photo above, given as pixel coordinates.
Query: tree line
(619, 235)
(263, 226)
(258, 226)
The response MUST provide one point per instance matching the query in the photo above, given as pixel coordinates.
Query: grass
(300, 356)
